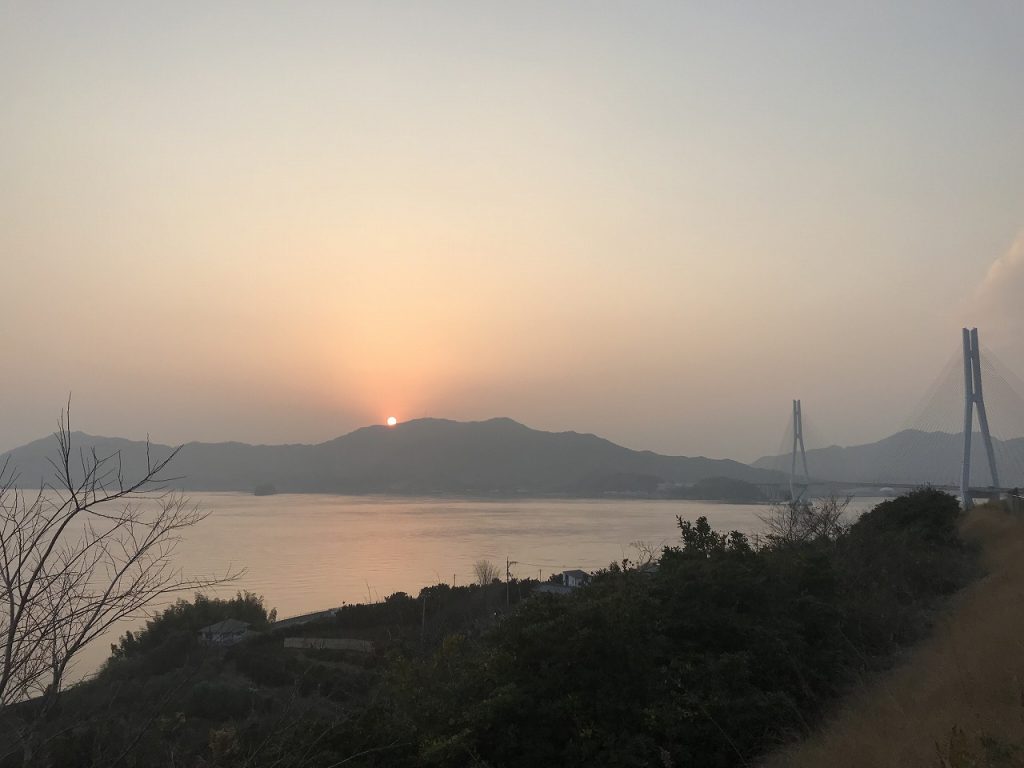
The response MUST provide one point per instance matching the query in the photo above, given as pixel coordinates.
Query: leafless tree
(88, 549)
(485, 572)
(798, 521)
(646, 554)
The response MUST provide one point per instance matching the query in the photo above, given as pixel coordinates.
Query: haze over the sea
(654, 221)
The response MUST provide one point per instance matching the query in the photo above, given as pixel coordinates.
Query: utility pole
(974, 396)
(508, 578)
(423, 620)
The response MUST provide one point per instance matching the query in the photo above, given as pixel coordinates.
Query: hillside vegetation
(957, 701)
(717, 657)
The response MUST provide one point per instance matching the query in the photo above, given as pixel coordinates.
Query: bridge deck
(980, 490)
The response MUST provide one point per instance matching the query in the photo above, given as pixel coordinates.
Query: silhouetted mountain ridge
(910, 456)
(423, 456)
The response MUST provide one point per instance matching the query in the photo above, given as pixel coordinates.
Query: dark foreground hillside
(716, 657)
(958, 700)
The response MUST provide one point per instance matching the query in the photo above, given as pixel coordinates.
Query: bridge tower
(973, 397)
(798, 442)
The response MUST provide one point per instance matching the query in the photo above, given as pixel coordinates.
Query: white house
(227, 632)
(575, 578)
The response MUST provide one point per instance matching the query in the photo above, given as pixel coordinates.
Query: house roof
(577, 573)
(226, 627)
(295, 621)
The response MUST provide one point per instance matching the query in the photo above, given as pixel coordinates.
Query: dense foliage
(177, 625)
(720, 653)
(716, 657)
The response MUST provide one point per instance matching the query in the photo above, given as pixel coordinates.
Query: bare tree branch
(799, 521)
(485, 572)
(77, 557)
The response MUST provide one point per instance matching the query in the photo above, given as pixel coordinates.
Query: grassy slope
(968, 674)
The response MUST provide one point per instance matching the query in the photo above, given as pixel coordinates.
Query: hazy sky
(659, 222)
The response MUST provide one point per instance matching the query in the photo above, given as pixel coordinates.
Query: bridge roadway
(955, 489)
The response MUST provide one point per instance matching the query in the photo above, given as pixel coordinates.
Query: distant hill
(719, 489)
(425, 456)
(910, 456)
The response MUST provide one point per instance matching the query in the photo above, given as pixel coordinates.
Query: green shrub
(263, 664)
(191, 617)
(711, 661)
(219, 701)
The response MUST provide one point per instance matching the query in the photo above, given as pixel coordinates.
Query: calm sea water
(308, 552)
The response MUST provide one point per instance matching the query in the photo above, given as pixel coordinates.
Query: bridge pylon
(974, 397)
(798, 442)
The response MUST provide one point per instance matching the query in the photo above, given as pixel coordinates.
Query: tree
(187, 618)
(485, 572)
(87, 550)
(700, 540)
(800, 521)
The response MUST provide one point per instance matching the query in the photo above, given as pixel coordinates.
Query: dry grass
(969, 675)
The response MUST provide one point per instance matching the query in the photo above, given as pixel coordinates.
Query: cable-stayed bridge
(966, 436)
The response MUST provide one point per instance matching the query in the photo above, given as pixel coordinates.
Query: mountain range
(424, 456)
(910, 456)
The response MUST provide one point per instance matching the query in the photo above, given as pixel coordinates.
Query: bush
(717, 657)
(185, 618)
(219, 701)
(708, 661)
(896, 561)
(263, 665)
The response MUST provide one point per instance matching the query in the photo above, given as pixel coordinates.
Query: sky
(659, 222)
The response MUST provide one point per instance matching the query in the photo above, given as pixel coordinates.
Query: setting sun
(392, 421)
